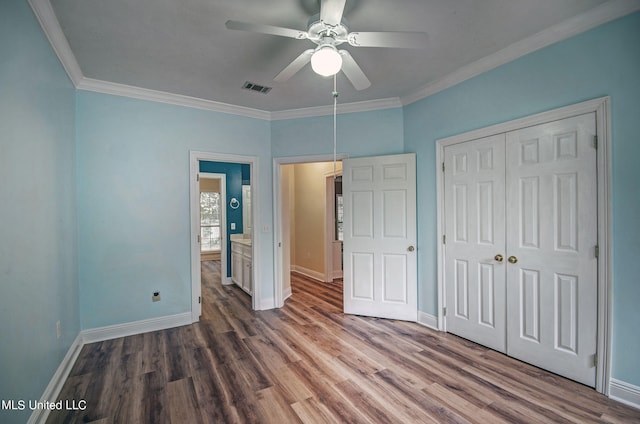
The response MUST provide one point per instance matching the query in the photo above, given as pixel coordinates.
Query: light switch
(233, 225)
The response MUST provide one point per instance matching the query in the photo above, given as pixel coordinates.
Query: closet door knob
(499, 257)
(512, 259)
(411, 248)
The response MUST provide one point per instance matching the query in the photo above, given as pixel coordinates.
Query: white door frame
(223, 219)
(194, 206)
(330, 224)
(601, 107)
(277, 215)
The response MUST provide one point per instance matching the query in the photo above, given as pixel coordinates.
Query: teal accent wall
(603, 61)
(38, 269)
(133, 202)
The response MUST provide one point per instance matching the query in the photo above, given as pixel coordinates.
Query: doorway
(380, 277)
(232, 167)
(304, 237)
(213, 222)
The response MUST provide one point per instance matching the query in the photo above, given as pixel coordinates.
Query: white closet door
(475, 240)
(552, 234)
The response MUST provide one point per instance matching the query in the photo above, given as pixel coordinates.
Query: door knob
(512, 259)
(499, 258)
(411, 248)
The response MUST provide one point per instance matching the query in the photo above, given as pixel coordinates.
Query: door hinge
(444, 311)
(444, 239)
(198, 238)
(597, 251)
(595, 141)
(595, 359)
(442, 166)
(197, 177)
(199, 299)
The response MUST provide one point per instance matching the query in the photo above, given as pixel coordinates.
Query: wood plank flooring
(310, 363)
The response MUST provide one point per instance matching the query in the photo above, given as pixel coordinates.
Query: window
(210, 221)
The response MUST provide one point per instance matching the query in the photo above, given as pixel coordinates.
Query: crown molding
(599, 15)
(51, 27)
(105, 87)
(365, 106)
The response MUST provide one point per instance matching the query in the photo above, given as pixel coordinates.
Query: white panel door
(475, 240)
(380, 266)
(551, 242)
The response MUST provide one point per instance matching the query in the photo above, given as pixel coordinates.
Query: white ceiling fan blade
(297, 64)
(407, 40)
(331, 11)
(353, 71)
(266, 29)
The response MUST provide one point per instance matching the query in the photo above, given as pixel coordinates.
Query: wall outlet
(233, 225)
(155, 297)
(58, 329)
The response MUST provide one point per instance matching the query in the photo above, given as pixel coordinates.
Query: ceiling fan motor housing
(321, 33)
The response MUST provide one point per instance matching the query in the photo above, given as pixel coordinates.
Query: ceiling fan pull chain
(335, 112)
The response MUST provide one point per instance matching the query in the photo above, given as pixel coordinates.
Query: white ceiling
(182, 46)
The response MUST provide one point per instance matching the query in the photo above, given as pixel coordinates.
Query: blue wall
(600, 62)
(133, 202)
(371, 133)
(237, 175)
(38, 270)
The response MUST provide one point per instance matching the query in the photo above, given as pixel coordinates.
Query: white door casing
(545, 284)
(601, 108)
(194, 211)
(552, 233)
(380, 265)
(475, 246)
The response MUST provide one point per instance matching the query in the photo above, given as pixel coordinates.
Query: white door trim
(277, 215)
(330, 224)
(223, 220)
(194, 206)
(601, 107)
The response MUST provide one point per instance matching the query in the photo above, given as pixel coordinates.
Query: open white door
(380, 264)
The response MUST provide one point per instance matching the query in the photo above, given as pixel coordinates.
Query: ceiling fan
(328, 30)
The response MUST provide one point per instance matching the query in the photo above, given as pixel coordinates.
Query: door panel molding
(529, 152)
(380, 263)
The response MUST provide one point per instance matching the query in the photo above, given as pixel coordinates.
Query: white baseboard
(315, 275)
(52, 390)
(624, 392)
(226, 281)
(428, 320)
(136, 327)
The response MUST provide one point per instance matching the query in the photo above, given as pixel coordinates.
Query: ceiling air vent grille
(256, 87)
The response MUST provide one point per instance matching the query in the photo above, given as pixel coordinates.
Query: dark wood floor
(308, 362)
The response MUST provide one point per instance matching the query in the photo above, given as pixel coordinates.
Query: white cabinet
(241, 265)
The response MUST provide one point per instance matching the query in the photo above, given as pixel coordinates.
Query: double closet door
(521, 243)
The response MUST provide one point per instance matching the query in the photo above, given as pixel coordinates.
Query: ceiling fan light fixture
(326, 61)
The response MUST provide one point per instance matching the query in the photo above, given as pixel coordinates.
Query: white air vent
(256, 87)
